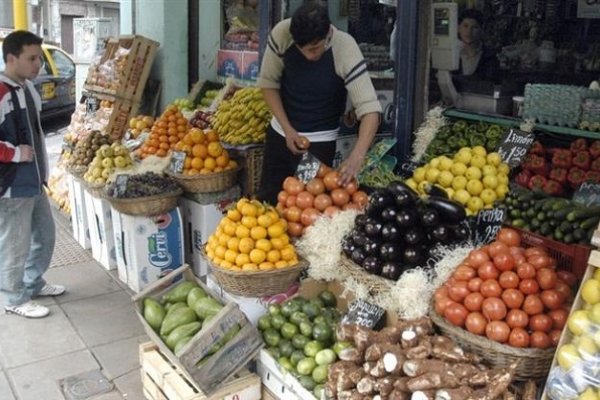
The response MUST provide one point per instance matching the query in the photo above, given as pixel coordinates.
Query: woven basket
(145, 206)
(375, 284)
(95, 189)
(531, 363)
(256, 283)
(76, 170)
(206, 183)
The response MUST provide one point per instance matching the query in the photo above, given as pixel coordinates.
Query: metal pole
(405, 75)
(20, 15)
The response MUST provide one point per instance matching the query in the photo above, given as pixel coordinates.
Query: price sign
(177, 162)
(587, 194)
(121, 185)
(364, 314)
(308, 167)
(91, 105)
(487, 223)
(514, 146)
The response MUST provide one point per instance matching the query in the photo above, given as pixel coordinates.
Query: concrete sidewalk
(92, 327)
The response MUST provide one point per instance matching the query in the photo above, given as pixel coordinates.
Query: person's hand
(26, 153)
(294, 142)
(350, 168)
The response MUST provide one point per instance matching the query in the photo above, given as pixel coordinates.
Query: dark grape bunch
(201, 119)
(143, 185)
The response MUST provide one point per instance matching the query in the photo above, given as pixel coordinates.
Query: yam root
(420, 351)
(384, 386)
(498, 384)
(375, 351)
(423, 395)
(409, 339)
(390, 334)
(377, 369)
(352, 355)
(363, 338)
(337, 368)
(398, 395)
(445, 349)
(418, 367)
(433, 380)
(393, 362)
(401, 384)
(356, 375)
(458, 393)
(345, 332)
(509, 396)
(330, 390)
(366, 385)
(529, 391)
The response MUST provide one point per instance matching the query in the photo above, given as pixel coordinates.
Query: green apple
(445, 178)
(473, 173)
(590, 291)
(107, 163)
(458, 168)
(96, 172)
(579, 322)
(475, 204)
(587, 347)
(488, 169)
(568, 356)
(100, 181)
(107, 172)
(478, 161)
(595, 313)
(459, 182)
(120, 150)
(462, 196)
(120, 162)
(474, 187)
(488, 196)
(490, 181)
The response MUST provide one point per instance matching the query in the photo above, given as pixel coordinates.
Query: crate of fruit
(209, 342)
(122, 112)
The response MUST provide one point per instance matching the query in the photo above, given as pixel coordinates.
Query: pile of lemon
(251, 237)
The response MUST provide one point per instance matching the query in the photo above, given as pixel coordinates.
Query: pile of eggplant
(399, 230)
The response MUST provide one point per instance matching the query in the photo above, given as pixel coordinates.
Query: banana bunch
(243, 119)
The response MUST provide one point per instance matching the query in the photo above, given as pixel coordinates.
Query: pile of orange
(204, 153)
(169, 129)
(251, 237)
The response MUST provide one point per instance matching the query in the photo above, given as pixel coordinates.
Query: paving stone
(39, 380)
(24, 340)
(119, 358)
(115, 275)
(5, 390)
(130, 385)
(104, 319)
(114, 395)
(82, 281)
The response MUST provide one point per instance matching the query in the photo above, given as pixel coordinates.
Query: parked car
(56, 81)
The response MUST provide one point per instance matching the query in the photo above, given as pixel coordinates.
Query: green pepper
(463, 142)
(443, 132)
(459, 126)
(452, 142)
(492, 145)
(494, 132)
(477, 139)
(481, 127)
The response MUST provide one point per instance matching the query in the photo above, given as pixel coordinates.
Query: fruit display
(201, 119)
(574, 375)
(473, 177)
(140, 124)
(251, 237)
(142, 185)
(407, 360)
(299, 334)
(554, 217)
(168, 129)
(108, 158)
(456, 135)
(85, 149)
(208, 98)
(558, 171)
(398, 231)
(184, 104)
(204, 153)
(242, 119)
(509, 294)
(301, 204)
(110, 73)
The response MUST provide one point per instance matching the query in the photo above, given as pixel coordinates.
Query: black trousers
(279, 163)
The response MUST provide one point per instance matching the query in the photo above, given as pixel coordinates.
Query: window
(64, 65)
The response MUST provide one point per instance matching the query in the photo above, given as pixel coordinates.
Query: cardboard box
(147, 248)
(101, 231)
(250, 66)
(229, 64)
(252, 307)
(79, 220)
(199, 222)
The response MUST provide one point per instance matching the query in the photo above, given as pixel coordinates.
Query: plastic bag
(243, 21)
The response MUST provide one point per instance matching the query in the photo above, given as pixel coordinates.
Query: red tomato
(513, 298)
(295, 229)
(529, 286)
(517, 319)
(332, 180)
(526, 271)
(540, 322)
(518, 338)
(509, 236)
(546, 278)
(540, 340)
(458, 291)
(519, 259)
(533, 305)
(352, 206)
(330, 211)
(563, 290)
(509, 280)
(504, 262)
(456, 314)
(535, 251)
(497, 331)
(315, 186)
(292, 214)
(540, 261)
(293, 185)
(441, 292)
(566, 276)
(490, 288)
(340, 197)
(497, 248)
(554, 336)
(473, 301)
(516, 250)
(474, 284)
(282, 196)
(464, 273)
(476, 323)
(360, 198)
(442, 304)
(552, 299)
(559, 318)
(290, 201)
(493, 309)
(309, 216)
(323, 170)
(322, 201)
(477, 257)
(487, 270)
(304, 200)
(351, 187)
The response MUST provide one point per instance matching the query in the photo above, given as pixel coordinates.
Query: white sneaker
(51, 290)
(31, 309)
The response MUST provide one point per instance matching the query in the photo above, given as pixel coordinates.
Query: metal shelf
(516, 122)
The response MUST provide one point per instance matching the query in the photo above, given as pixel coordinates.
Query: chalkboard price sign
(487, 223)
(364, 314)
(308, 167)
(587, 194)
(514, 146)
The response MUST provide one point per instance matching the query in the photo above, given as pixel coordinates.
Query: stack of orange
(166, 132)
(205, 154)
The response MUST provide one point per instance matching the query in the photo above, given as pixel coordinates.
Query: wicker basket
(95, 189)
(76, 170)
(256, 283)
(374, 283)
(145, 206)
(206, 183)
(531, 363)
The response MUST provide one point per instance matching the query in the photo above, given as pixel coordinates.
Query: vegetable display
(554, 217)
(299, 334)
(509, 294)
(399, 230)
(472, 177)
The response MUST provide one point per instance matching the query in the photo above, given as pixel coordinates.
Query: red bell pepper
(582, 160)
(523, 177)
(537, 148)
(559, 175)
(553, 188)
(536, 164)
(578, 145)
(562, 158)
(595, 165)
(536, 182)
(595, 149)
(576, 177)
(592, 176)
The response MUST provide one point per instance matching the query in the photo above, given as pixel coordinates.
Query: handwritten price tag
(487, 225)
(514, 146)
(362, 313)
(587, 194)
(177, 162)
(308, 167)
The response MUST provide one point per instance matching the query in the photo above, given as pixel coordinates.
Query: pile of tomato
(508, 293)
(301, 204)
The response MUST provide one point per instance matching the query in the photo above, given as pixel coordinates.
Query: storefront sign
(364, 314)
(487, 223)
(514, 146)
(588, 194)
(588, 9)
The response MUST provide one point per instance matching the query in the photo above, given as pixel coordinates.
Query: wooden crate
(251, 161)
(162, 380)
(221, 366)
(142, 52)
(123, 111)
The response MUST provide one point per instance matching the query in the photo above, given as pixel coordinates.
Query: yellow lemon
(240, 204)
(277, 243)
(229, 229)
(235, 268)
(233, 244)
(217, 260)
(503, 169)
(258, 232)
(249, 222)
(265, 220)
(210, 253)
(242, 259)
(479, 151)
(223, 239)
(220, 251)
(246, 245)
(234, 215)
(249, 267)
(249, 210)
(276, 230)
(288, 253)
(230, 255)
(274, 256)
(226, 264)
(281, 264)
(242, 232)
(263, 244)
(257, 256)
(266, 266)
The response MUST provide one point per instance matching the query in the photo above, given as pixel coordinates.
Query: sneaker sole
(25, 315)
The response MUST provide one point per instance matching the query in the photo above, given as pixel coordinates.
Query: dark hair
(14, 43)
(472, 14)
(310, 23)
